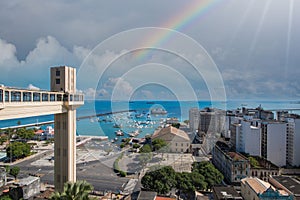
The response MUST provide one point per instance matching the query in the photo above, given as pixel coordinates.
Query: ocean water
(105, 125)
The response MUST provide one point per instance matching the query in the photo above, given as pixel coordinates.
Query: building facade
(248, 137)
(273, 145)
(211, 120)
(63, 79)
(233, 165)
(293, 140)
(194, 116)
(178, 141)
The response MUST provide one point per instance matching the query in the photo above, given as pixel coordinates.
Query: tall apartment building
(293, 140)
(194, 117)
(211, 120)
(246, 136)
(273, 142)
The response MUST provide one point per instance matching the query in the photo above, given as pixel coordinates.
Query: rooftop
(223, 192)
(171, 130)
(256, 184)
(236, 156)
(289, 183)
(147, 195)
(26, 181)
(264, 164)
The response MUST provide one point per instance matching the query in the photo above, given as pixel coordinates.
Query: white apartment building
(293, 140)
(246, 136)
(273, 145)
(249, 138)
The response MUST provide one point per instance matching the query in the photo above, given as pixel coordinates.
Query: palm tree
(74, 191)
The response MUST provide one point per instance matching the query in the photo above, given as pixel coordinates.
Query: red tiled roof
(39, 132)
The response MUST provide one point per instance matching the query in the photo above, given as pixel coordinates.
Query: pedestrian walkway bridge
(20, 103)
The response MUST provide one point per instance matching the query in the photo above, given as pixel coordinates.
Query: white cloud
(8, 51)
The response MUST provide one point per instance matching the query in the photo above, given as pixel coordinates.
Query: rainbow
(191, 13)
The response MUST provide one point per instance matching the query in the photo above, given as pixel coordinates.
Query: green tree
(136, 146)
(184, 183)
(14, 171)
(3, 139)
(18, 150)
(5, 197)
(176, 125)
(25, 134)
(122, 145)
(212, 176)
(158, 144)
(186, 121)
(145, 149)
(253, 162)
(198, 181)
(160, 181)
(74, 191)
(7, 168)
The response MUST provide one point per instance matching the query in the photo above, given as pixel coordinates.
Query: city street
(95, 172)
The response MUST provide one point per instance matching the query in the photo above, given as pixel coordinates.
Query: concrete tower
(63, 79)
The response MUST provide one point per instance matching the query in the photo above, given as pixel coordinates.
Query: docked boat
(134, 133)
(117, 126)
(119, 133)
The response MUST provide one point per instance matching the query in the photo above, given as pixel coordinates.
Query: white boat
(134, 133)
(119, 133)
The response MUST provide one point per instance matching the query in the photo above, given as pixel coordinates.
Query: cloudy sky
(245, 49)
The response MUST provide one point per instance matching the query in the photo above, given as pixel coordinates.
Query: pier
(104, 114)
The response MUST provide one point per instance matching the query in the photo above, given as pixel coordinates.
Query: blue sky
(254, 44)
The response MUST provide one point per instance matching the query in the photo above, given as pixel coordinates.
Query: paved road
(98, 174)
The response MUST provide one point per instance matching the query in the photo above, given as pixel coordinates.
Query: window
(6, 96)
(57, 81)
(36, 96)
(26, 96)
(57, 73)
(1, 95)
(58, 178)
(59, 97)
(44, 97)
(15, 96)
(57, 124)
(64, 125)
(65, 97)
(58, 152)
(52, 97)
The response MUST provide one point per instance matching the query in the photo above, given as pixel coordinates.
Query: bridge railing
(15, 95)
